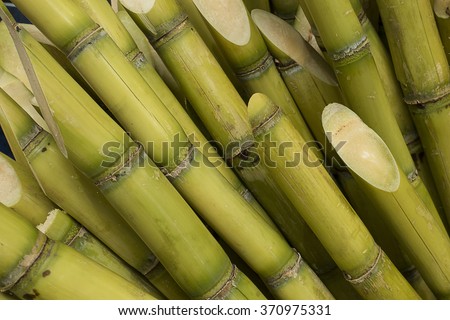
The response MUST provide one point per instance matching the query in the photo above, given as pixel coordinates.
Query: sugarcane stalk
(245, 50)
(377, 173)
(308, 77)
(399, 107)
(286, 10)
(129, 48)
(443, 23)
(426, 84)
(150, 54)
(34, 267)
(324, 208)
(369, 214)
(232, 210)
(156, 212)
(21, 192)
(73, 192)
(348, 47)
(257, 4)
(204, 83)
(7, 296)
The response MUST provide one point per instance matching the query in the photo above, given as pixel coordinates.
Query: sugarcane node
(170, 31)
(290, 271)
(25, 264)
(121, 168)
(32, 140)
(227, 286)
(352, 53)
(183, 165)
(366, 275)
(364, 152)
(255, 69)
(80, 234)
(430, 103)
(84, 40)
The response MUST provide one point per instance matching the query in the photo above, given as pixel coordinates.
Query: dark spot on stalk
(46, 273)
(31, 296)
(44, 149)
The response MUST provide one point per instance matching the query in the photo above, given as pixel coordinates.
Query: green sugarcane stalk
(377, 173)
(61, 227)
(308, 77)
(150, 54)
(156, 212)
(73, 192)
(34, 267)
(229, 220)
(21, 192)
(443, 23)
(257, 4)
(204, 83)
(426, 84)
(286, 9)
(247, 54)
(369, 214)
(121, 37)
(323, 206)
(399, 107)
(349, 49)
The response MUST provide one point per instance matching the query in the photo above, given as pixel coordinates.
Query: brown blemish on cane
(44, 149)
(46, 273)
(31, 296)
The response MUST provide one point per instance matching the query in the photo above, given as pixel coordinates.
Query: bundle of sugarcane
(110, 134)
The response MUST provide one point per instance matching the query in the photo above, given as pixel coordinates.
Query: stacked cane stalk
(112, 132)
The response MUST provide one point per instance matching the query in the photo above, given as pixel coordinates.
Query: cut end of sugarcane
(138, 6)
(51, 217)
(281, 36)
(442, 8)
(260, 110)
(229, 18)
(364, 152)
(10, 185)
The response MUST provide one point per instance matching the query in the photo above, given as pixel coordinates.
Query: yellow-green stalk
(157, 213)
(188, 129)
(374, 168)
(369, 214)
(308, 77)
(285, 9)
(201, 78)
(73, 192)
(441, 11)
(349, 49)
(322, 205)
(235, 220)
(245, 50)
(20, 191)
(426, 85)
(399, 107)
(35, 267)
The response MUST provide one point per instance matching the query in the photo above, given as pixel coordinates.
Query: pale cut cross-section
(10, 185)
(229, 18)
(138, 6)
(361, 148)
